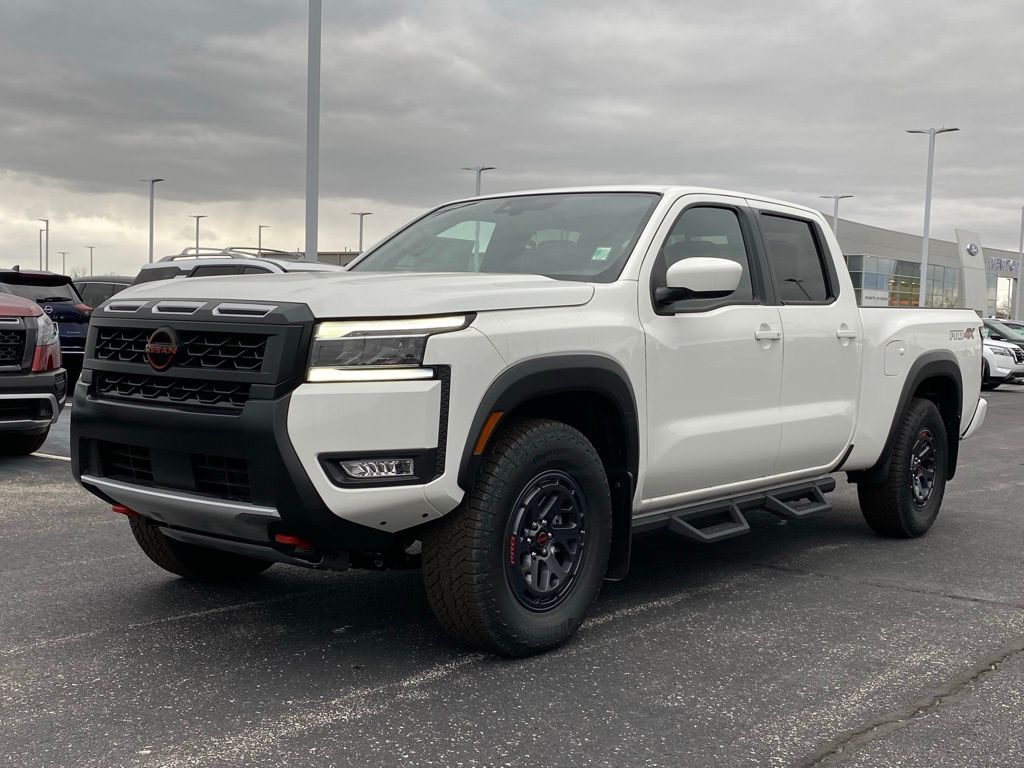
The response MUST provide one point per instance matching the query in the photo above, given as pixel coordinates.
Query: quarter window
(710, 232)
(796, 258)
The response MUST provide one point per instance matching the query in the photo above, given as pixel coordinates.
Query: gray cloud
(789, 99)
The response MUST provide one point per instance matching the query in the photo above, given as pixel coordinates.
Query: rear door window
(795, 252)
(210, 270)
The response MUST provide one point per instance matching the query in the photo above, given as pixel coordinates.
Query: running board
(718, 519)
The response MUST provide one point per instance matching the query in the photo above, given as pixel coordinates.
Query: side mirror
(699, 277)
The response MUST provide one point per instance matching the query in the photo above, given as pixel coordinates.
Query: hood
(15, 306)
(377, 294)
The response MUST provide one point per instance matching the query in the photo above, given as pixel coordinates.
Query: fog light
(367, 469)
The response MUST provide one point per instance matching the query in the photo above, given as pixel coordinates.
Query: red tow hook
(292, 541)
(121, 509)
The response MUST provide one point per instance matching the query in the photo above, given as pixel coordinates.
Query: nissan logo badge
(972, 249)
(161, 348)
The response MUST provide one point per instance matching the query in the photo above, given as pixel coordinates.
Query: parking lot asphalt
(806, 643)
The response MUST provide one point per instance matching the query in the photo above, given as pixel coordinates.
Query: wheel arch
(590, 393)
(935, 376)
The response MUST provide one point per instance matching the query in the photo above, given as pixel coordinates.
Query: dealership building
(886, 266)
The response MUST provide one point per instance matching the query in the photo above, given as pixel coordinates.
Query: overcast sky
(786, 98)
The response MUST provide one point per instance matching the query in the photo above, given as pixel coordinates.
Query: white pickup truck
(506, 390)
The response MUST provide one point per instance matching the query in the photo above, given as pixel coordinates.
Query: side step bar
(711, 521)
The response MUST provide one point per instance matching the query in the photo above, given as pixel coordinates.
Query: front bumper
(979, 419)
(150, 460)
(31, 402)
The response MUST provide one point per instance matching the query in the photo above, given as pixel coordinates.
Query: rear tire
(515, 568)
(22, 445)
(907, 502)
(986, 382)
(192, 562)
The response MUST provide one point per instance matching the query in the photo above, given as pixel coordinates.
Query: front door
(714, 367)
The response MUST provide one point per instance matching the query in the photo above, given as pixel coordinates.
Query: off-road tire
(22, 445)
(192, 562)
(889, 507)
(986, 382)
(467, 557)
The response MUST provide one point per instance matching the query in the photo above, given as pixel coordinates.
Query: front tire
(515, 568)
(907, 502)
(987, 382)
(192, 562)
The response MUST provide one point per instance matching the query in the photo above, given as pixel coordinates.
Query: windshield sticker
(601, 254)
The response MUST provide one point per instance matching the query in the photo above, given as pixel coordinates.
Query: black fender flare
(548, 375)
(941, 364)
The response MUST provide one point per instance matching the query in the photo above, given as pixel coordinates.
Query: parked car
(1014, 325)
(33, 386)
(61, 302)
(508, 424)
(230, 261)
(997, 330)
(98, 288)
(1003, 362)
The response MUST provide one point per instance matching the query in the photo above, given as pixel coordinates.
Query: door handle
(846, 333)
(765, 334)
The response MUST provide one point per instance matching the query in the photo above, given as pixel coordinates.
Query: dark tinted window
(209, 270)
(582, 236)
(708, 232)
(36, 292)
(156, 273)
(255, 271)
(796, 259)
(95, 294)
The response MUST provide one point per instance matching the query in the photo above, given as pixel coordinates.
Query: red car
(33, 385)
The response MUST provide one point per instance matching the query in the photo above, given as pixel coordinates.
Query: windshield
(39, 293)
(580, 236)
(1005, 331)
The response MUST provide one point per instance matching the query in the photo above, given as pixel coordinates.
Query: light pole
(361, 215)
(63, 262)
(313, 130)
(932, 132)
(259, 238)
(479, 170)
(197, 218)
(835, 209)
(47, 231)
(41, 249)
(152, 184)
(1020, 268)
(90, 247)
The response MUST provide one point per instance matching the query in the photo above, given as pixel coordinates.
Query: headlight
(1000, 351)
(376, 350)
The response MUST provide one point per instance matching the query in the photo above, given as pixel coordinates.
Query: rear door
(714, 367)
(821, 324)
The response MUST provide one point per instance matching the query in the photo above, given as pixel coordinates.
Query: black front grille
(223, 477)
(12, 347)
(209, 350)
(171, 391)
(20, 410)
(1018, 355)
(130, 463)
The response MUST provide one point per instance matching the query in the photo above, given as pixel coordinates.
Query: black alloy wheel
(546, 536)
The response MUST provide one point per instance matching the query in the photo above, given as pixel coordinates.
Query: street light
(1020, 268)
(152, 184)
(47, 230)
(931, 132)
(313, 130)
(41, 249)
(479, 169)
(361, 215)
(835, 209)
(90, 247)
(197, 218)
(63, 262)
(259, 238)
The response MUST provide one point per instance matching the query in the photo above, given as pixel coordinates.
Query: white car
(508, 388)
(1003, 362)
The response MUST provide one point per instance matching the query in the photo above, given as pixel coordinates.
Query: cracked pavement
(804, 643)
